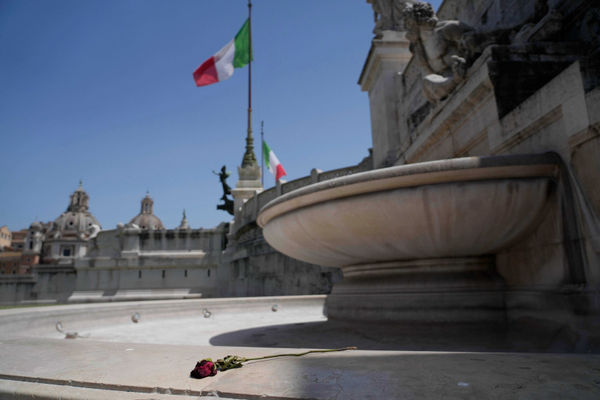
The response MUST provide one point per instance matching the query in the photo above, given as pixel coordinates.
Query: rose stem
(299, 354)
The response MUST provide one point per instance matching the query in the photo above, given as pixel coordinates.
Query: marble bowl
(415, 242)
(448, 208)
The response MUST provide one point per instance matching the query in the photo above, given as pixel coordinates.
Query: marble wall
(516, 98)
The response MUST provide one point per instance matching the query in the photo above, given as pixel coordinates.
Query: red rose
(203, 369)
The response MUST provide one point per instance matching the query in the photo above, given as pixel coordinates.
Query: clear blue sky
(102, 90)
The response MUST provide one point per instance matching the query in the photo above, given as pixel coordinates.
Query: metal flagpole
(250, 70)
(249, 159)
(262, 155)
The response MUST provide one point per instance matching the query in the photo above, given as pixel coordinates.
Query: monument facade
(488, 105)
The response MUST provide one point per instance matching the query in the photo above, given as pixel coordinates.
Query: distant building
(5, 237)
(67, 237)
(72, 260)
(32, 245)
(146, 220)
(27, 262)
(18, 239)
(10, 262)
(143, 254)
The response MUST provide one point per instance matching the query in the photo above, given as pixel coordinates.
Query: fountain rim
(464, 169)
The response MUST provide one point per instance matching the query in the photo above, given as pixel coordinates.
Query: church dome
(76, 220)
(146, 219)
(36, 226)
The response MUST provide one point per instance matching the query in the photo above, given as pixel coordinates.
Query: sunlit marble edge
(432, 172)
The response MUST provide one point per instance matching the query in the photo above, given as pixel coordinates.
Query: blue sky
(102, 90)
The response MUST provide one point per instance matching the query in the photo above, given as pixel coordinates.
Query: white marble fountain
(415, 242)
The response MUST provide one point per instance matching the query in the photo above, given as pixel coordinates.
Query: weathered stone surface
(408, 238)
(152, 359)
(517, 72)
(387, 58)
(535, 93)
(439, 47)
(388, 15)
(325, 223)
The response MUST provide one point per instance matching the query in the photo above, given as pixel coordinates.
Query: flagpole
(262, 155)
(250, 69)
(249, 159)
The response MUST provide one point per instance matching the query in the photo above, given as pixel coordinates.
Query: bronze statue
(223, 175)
(227, 202)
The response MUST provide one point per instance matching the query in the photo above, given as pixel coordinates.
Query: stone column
(385, 63)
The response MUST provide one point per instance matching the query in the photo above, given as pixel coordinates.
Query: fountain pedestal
(464, 289)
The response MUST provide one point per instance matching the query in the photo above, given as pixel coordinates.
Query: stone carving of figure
(388, 15)
(227, 202)
(93, 231)
(438, 47)
(444, 49)
(382, 10)
(131, 226)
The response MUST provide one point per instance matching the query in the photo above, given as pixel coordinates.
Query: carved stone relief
(439, 47)
(445, 49)
(388, 15)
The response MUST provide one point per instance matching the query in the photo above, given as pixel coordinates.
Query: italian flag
(272, 162)
(219, 67)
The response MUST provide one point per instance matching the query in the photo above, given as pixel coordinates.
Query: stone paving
(151, 359)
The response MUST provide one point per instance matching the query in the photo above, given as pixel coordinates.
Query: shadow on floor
(352, 376)
(408, 337)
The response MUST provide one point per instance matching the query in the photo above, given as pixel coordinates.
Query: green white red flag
(235, 54)
(272, 162)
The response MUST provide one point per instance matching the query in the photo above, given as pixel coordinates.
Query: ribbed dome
(77, 220)
(74, 222)
(146, 219)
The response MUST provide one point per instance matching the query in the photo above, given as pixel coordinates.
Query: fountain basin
(415, 229)
(118, 359)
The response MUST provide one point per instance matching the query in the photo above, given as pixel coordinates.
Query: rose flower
(203, 369)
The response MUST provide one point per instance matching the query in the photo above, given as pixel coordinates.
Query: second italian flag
(219, 67)
(272, 162)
